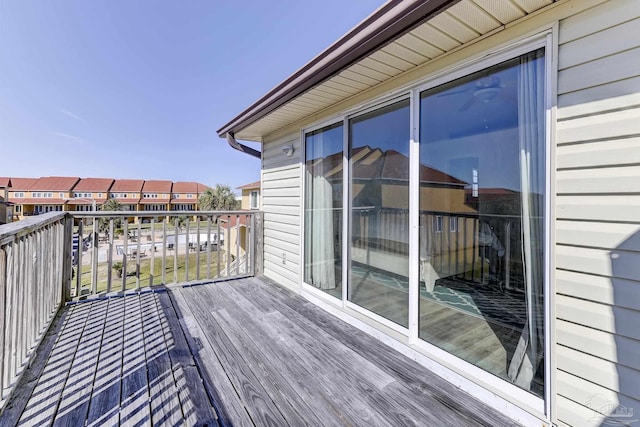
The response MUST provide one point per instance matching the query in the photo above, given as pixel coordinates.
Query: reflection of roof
(94, 184)
(250, 185)
(55, 183)
(183, 201)
(124, 185)
(154, 201)
(127, 201)
(494, 192)
(371, 163)
(157, 186)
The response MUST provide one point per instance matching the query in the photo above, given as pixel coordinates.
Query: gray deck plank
(18, 402)
(427, 387)
(229, 407)
(43, 403)
(259, 404)
(164, 401)
(134, 400)
(105, 395)
(324, 395)
(196, 406)
(74, 402)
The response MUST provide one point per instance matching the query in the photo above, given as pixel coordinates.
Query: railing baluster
(198, 248)
(79, 258)
(164, 248)
(209, 247)
(139, 232)
(187, 248)
(237, 260)
(125, 250)
(110, 255)
(227, 237)
(218, 246)
(94, 257)
(152, 249)
(175, 251)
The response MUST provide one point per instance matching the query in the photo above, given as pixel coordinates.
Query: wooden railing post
(67, 249)
(258, 247)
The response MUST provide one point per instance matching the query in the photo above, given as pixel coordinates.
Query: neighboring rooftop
(22, 184)
(127, 185)
(55, 183)
(94, 184)
(250, 186)
(188, 187)
(5, 182)
(156, 186)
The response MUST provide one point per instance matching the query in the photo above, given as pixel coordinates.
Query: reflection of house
(532, 104)
(250, 195)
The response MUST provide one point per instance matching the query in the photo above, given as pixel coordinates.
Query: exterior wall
(280, 193)
(598, 215)
(246, 198)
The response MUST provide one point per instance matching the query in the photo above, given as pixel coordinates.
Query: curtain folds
(530, 349)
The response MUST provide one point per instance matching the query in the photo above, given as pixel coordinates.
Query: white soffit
(460, 24)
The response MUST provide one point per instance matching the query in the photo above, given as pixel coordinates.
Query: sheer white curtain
(530, 348)
(321, 237)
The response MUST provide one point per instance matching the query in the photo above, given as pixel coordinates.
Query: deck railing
(34, 268)
(54, 258)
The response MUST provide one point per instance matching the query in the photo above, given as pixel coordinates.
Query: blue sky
(137, 89)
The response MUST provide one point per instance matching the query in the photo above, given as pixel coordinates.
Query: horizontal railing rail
(34, 268)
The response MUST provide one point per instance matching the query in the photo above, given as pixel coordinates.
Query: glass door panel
(379, 220)
(482, 192)
(323, 209)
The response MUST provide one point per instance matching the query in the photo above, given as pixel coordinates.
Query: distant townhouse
(90, 194)
(128, 192)
(6, 209)
(250, 195)
(34, 196)
(21, 197)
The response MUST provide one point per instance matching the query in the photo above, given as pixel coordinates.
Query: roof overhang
(395, 39)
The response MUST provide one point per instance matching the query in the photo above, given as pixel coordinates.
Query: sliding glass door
(482, 193)
(379, 212)
(478, 210)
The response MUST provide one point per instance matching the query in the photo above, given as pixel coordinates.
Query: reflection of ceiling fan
(484, 90)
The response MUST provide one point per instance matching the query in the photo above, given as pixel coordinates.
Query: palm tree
(219, 198)
(110, 205)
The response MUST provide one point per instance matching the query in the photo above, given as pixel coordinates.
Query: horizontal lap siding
(281, 205)
(597, 231)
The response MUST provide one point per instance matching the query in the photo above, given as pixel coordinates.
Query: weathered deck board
(44, 400)
(196, 407)
(243, 353)
(229, 408)
(134, 400)
(105, 396)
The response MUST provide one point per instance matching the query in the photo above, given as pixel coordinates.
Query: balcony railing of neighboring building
(56, 258)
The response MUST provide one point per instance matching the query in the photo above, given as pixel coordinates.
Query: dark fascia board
(389, 22)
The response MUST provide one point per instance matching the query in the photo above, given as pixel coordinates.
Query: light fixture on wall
(288, 150)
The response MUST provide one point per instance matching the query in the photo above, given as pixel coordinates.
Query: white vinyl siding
(280, 192)
(597, 233)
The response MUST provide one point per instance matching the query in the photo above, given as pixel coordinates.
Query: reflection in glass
(482, 219)
(379, 228)
(323, 209)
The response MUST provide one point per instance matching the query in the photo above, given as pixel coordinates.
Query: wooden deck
(238, 353)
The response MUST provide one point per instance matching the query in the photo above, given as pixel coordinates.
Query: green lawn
(147, 277)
